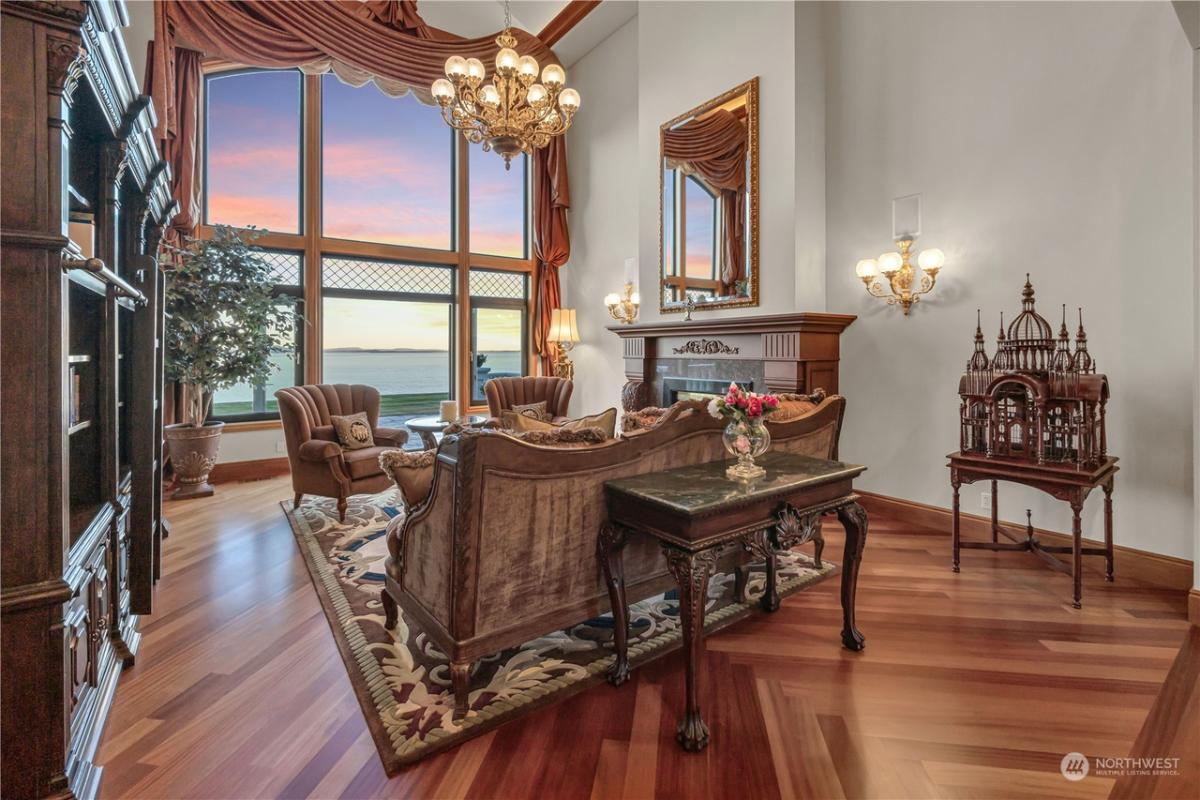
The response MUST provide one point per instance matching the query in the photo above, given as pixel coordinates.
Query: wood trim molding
(1167, 571)
(571, 15)
(804, 322)
(255, 470)
(253, 425)
(1194, 605)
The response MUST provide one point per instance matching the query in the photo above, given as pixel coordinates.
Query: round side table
(428, 427)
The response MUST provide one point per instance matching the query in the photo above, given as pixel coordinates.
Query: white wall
(602, 151)
(689, 53)
(1049, 138)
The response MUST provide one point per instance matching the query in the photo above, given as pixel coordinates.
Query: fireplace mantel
(798, 352)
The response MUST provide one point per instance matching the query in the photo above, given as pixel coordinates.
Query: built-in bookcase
(84, 198)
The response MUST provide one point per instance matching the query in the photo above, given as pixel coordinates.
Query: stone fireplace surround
(776, 353)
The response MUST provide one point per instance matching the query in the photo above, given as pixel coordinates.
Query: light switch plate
(906, 217)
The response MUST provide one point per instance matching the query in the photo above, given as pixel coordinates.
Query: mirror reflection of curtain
(714, 147)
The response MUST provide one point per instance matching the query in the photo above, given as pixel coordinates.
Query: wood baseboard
(256, 470)
(1166, 571)
(1194, 606)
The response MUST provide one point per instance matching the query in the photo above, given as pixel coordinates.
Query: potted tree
(223, 324)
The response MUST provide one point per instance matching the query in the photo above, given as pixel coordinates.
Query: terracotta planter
(193, 455)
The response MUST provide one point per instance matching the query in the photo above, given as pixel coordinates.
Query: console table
(695, 512)
(1061, 481)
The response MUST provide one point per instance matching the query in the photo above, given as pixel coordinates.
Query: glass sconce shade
(931, 259)
(889, 263)
(867, 268)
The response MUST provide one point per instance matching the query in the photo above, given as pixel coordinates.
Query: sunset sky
(387, 177)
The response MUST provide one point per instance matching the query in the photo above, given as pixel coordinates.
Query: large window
(405, 248)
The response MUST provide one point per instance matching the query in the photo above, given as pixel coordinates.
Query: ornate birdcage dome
(1029, 344)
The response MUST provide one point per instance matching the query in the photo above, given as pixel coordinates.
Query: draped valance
(382, 41)
(714, 147)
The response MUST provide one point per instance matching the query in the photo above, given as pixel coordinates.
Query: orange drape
(714, 147)
(386, 42)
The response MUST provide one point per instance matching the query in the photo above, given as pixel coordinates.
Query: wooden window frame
(313, 245)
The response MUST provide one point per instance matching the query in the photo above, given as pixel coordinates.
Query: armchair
(319, 464)
(504, 393)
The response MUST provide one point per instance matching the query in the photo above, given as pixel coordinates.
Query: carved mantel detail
(706, 347)
(798, 352)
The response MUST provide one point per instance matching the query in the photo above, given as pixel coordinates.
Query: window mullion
(463, 355)
(311, 193)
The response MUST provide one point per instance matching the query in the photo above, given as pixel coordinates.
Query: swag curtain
(714, 147)
(382, 41)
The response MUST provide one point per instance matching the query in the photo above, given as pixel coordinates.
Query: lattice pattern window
(285, 267)
(385, 276)
(509, 285)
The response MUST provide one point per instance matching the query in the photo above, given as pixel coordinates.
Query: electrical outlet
(985, 500)
(279, 447)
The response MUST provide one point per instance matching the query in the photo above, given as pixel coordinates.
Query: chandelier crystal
(513, 113)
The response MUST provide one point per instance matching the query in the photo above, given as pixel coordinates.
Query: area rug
(402, 679)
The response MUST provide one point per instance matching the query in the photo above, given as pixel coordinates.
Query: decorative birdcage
(1036, 400)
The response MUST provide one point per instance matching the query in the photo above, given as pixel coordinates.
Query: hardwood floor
(972, 685)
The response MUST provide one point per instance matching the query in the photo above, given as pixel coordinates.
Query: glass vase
(746, 440)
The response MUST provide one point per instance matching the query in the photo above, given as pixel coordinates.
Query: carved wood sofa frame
(504, 549)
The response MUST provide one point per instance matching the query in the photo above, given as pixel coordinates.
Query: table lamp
(563, 333)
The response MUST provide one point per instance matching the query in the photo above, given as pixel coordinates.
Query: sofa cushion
(362, 463)
(353, 431)
(635, 422)
(412, 472)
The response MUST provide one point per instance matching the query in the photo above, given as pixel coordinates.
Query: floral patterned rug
(402, 679)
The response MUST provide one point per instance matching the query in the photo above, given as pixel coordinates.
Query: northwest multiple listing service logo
(1074, 766)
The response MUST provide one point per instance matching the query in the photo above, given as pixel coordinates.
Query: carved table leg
(818, 546)
(460, 680)
(1108, 531)
(741, 576)
(995, 512)
(1077, 552)
(608, 549)
(769, 601)
(954, 484)
(854, 520)
(391, 613)
(691, 572)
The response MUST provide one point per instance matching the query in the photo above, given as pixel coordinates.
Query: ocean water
(406, 372)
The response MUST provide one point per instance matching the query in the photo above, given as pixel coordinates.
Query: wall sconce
(900, 274)
(624, 308)
(564, 333)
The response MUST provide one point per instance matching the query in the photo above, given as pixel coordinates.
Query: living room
(554, 398)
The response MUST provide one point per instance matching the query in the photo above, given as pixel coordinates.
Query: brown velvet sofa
(319, 464)
(504, 547)
(504, 393)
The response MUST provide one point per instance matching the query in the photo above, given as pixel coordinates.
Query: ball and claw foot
(853, 640)
(769, 603)
(692, 733)
(618, 673)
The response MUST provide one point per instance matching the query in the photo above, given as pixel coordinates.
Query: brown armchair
(504, 393)
(319, 464)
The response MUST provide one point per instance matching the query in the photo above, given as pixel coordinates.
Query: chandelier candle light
(900, 274)
(513, 113)
(745, 436)
(624, 308)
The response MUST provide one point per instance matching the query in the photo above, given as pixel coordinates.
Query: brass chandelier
(514, 113)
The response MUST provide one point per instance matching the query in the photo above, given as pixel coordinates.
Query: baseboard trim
(255, 470)
(1194, 606)
(1166, 571)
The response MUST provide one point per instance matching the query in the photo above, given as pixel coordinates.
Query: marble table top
(703, 488)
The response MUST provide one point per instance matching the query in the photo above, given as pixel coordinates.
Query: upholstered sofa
(503, 549)
(319, 464)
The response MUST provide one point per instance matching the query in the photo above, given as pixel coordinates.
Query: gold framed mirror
(708, 204)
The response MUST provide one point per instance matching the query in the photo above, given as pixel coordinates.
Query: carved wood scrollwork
(635, 395)
(795, 529)
(706, 347)
(65, 61)
(691, 571)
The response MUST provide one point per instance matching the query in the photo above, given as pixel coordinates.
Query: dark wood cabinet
(84, 198)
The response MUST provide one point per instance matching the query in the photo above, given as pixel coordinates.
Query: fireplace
(668, 361)
(676, 389)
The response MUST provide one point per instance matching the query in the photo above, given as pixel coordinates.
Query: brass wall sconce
(564, 333)
(624, 309)
(900, 274)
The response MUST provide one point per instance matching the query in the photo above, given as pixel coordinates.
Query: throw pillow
(353, 431)
(533, 411)
(562, 437)
(643, 420)
(795, 406)
(606, 421)
(412, 471)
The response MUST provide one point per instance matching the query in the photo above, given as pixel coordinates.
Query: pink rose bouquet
(743, 406)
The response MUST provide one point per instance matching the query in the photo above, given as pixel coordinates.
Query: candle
(449, 410)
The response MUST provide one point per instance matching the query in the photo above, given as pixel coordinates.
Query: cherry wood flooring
(971, 685)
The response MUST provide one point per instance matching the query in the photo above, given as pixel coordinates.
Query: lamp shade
(931, 259)
(562, 326)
